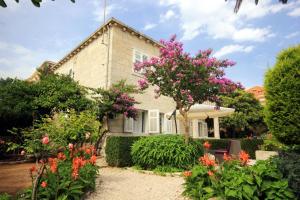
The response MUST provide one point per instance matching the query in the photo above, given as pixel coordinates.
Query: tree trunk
(186, 126)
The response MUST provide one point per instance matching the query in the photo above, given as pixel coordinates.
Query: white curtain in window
(153, 117)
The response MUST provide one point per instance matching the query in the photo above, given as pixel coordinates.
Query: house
(259, 93)
(107, 56)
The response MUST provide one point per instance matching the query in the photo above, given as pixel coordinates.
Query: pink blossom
(143, 84)
(45, 140)
(23, 152)
(190, 99)
(71, 146)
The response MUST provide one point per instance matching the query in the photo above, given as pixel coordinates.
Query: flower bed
(234, 179)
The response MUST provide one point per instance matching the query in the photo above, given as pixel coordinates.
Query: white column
(195, 128)
(216, 128)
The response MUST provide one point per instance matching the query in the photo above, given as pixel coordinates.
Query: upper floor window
(139, 56)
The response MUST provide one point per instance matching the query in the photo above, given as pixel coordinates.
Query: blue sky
(252, 38)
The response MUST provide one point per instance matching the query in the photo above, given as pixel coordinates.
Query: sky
(252, 38)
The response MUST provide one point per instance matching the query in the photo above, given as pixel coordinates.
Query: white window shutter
(205, 130)
(168, 125)
(153, 117)
(128, 125)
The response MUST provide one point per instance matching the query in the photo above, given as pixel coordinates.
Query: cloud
(233, 48)
(167, 16)
(217, 19)
(19, 60)
(149, 26)
(295, 12)
(292, 35)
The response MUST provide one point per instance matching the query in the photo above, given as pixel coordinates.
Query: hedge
(216, 143)
(118, 150)
(251, 145)
(248, 145)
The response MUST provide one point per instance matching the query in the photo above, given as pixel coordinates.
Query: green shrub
(289, 165)
(272, 144)
(251, 145)
(118, 150)
(216, 143)
(233, 181)
(5, 196)
(282, 85)
(165, 150)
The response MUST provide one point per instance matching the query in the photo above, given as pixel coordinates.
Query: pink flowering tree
(186, 79)
(115, 100)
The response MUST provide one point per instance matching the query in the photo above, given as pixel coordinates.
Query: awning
(202, 111)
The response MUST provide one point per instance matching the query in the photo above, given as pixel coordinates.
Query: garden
(54, 125)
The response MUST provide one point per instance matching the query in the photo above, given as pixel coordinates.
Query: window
(71, 73)
(153, 117)
(139, 57)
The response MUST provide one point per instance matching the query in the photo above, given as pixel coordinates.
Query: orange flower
(206, 145)
(93, 159)
(53, 164)
(244, 157)
(61, 156)
(227, 157)
(205, 160)
(44, 184)
(210, 173)
(187, 173)
(88, 151)
(32, 169)
(77, 164)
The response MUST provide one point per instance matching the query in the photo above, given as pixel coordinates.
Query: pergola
(200, 112)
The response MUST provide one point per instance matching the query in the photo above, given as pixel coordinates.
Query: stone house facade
(107, 56)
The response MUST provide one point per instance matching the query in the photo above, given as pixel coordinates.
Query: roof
(111, 22)
(202, 111)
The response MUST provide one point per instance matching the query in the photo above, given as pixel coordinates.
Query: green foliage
(272, 144)
(34, 2)
(289, 165)
(16, 104)
(60, 93)
(162, 170)
(62, 129)
(216, 143)
(248, 115)
(118, 150)
(282, 85)
(69, 177)
(165, 150)
(5, 196)
(251, 145)
(232, 181)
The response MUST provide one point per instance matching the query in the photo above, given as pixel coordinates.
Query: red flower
(45, 140)
(93, 159)
(210, 173)
(44, 184)
(61, 156)
(206, 145)
(244, 157)
(205, 160)
(88, 151)
(32, 169)
(227, 157)
(53, 164)
(187, 173)
(77, 164)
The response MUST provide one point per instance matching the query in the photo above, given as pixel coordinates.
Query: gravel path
(122, 184)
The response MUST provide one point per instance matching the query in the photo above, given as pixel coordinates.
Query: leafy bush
(289, 165)
(165, 150)
(272, 144)
(5, 196)
(118, 150)
(68, 176)
(282, 85)
(251, 145)
(235, 180)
